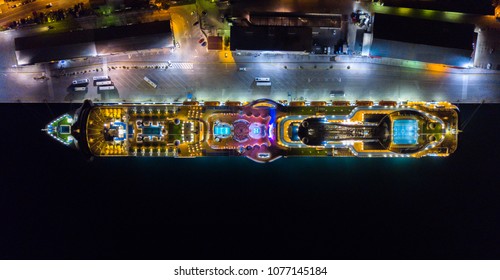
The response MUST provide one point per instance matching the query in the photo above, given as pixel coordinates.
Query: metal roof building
(271, 38)
(93, 42)
(422, 40)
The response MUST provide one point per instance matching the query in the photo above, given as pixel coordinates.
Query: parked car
(196, 23)
(201, 40)
(49, 5)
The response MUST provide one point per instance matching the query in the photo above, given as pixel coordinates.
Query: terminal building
(93, 42)
(271, 38)
(287, 32)
(422, 40)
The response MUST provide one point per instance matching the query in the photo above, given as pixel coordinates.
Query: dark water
(55, 205)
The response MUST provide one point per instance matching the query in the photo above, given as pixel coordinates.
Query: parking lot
(215, 75)
(210, 80)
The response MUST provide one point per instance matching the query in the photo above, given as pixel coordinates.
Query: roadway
(26, 10)
(208, 79)
(210, 75)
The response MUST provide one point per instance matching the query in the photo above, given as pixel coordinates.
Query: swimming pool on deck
(405, 132)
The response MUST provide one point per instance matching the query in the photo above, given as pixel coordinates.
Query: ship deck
(265, 130)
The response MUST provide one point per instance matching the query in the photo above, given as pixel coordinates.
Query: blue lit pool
(405, 132)
(222, 130)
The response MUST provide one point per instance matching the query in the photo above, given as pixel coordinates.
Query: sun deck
(140, 130)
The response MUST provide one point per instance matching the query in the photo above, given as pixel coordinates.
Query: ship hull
(265, 130)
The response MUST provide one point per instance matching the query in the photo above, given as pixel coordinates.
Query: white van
(80, 88)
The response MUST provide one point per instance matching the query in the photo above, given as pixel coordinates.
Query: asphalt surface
(207, 79)
(210, 75)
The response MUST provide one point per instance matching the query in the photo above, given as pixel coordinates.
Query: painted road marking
(465, 83)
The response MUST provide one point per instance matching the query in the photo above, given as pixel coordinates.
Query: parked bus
(263, 84)
(103, 83)
(106, 88)
(260, 79)
(151, 83)
(81, 81)
(99, 78)
(337, 93)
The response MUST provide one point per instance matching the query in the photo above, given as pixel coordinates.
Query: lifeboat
(233, 103)
(212, 103)
(387, 103)
(341, 103)
(318, 103)
(364, 103)
(297, 103)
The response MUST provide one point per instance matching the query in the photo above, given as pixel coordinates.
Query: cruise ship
(262, 130)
